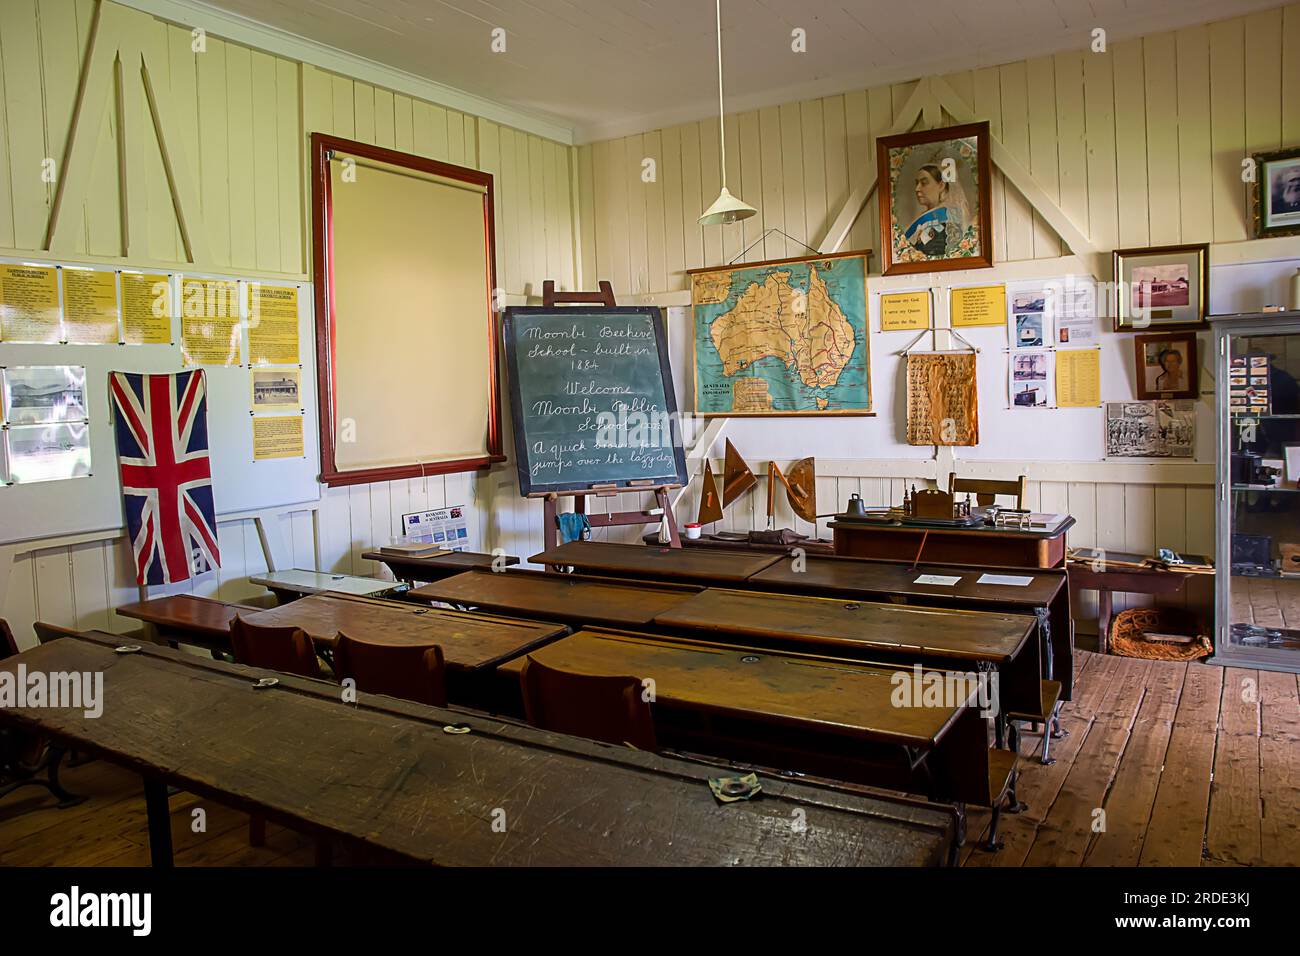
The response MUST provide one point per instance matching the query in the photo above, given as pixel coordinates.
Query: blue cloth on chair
(573, 526)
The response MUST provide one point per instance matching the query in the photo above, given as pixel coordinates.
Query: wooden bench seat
(1047, 714)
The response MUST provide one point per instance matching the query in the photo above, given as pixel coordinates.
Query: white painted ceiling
(612, 67)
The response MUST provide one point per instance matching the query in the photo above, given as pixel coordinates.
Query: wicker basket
(1129, 626)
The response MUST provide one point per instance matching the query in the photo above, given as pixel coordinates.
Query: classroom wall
(1140, 145)
(240, 121)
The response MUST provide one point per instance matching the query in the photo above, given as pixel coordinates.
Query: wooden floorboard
(1165, 763)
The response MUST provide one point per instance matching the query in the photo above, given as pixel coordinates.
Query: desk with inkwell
(939, 527)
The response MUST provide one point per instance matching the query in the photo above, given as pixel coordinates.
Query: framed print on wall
(1277, 193)
(935, 213)
(1161, 288)
(1166, 365)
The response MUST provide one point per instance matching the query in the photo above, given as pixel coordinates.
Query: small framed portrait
(1166, 365)
(1277, 193)
(935, 213)
(1161, 288)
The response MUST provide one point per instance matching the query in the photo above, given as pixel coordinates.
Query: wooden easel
(550, 506)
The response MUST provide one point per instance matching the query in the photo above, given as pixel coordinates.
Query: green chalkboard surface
(592, 398)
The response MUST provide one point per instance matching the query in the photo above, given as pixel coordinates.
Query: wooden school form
(649, 434)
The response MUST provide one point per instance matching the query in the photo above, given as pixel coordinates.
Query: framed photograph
(1166, 365)
(1163, 287)
(935, 213)
(1277, 193)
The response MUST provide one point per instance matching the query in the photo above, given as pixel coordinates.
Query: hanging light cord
(722, 126)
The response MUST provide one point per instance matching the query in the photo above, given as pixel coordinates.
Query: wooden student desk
(1046, 596)
(187, 619)
(472, 644)
(820, 716)
(420, 795)
(878, 633)
(988, 547)
(294, 583)
(437, 566)
(571, 599)
(675, 564)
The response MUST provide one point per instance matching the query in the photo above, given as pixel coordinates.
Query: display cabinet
(1257, 385)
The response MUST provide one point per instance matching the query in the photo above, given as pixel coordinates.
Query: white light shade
(726, 208)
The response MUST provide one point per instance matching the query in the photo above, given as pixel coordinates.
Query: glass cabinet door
(1259, 528)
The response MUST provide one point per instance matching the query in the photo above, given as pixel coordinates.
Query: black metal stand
(27, 776)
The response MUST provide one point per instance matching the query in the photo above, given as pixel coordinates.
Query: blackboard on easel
(592, 399)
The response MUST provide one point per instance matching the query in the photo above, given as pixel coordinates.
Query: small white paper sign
(1011, 580)
(937, 579)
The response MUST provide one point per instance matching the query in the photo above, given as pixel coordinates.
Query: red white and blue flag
(162, 451)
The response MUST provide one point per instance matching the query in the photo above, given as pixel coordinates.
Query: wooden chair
(598, 708)
(52, 632)
(987, 489)
(287, 649)
(413, 672)
(8, 644)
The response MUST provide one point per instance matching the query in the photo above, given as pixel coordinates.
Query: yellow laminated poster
(89, 307)
(904, 310)
(210, 332)
(1078, 378)
(272, 325)
(277, 436)
(979, 305)
(146, 309)
(29, 304)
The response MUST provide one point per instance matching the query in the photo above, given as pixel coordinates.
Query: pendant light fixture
(726, 208)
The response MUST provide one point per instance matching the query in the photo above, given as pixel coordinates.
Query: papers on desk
(1010, 580)
(943, 579)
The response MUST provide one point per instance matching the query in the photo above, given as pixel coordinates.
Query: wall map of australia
(782, 338)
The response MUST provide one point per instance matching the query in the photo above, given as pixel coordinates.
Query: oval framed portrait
(933, 187)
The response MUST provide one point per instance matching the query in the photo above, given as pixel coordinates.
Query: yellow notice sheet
(979, 305)
(210, 333)
(29, 304)
(277, 436)
(272, 325)
(904, 310)
(89, 307)
(1078, 378)
(146, 309)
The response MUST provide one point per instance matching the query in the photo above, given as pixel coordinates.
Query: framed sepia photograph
(1161, 288)
(933, 188)
(1166, 365)
(1277, 193)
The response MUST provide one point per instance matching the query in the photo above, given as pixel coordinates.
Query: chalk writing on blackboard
(592, 398)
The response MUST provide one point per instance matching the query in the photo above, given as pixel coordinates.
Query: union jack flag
(162, 451)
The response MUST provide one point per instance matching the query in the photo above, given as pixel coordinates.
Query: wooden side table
(1107, 582)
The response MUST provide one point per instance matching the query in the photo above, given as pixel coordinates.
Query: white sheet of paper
(1011, 580)
(937, 579)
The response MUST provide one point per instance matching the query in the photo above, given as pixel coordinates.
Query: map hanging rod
(766, 233)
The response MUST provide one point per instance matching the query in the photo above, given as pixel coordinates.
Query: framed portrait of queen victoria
(933, 188)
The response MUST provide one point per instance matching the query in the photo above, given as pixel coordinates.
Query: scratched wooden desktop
(418, 795)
